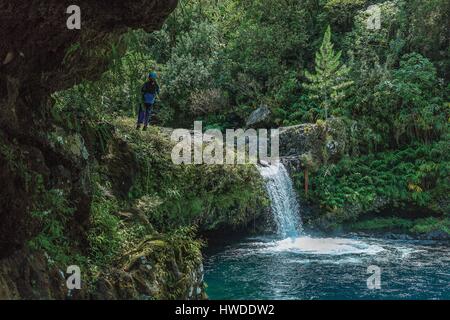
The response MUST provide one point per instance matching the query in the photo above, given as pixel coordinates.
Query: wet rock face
(123, 167)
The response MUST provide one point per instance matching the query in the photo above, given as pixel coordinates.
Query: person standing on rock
(149, 91)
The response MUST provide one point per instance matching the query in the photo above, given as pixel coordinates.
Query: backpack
(149, 91)
(149, 98)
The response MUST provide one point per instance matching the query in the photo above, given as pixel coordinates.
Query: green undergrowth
(174, 256)
(416, 176)
(54, 215)
(50, 213)
(181, 195)
(416, 226)
(159, 218)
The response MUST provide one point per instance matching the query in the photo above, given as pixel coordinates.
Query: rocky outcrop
(38, 56)
(259, 117)
(312, 144)
(155, 269)
(27, 275)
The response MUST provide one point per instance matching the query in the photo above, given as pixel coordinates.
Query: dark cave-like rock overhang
(38, 56)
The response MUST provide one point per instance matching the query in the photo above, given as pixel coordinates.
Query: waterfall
(284, 204)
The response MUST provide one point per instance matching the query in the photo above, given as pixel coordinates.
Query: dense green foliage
(163, 205)
(218, 60)
(409, 179)
(327, 85)
(307, 60)
(55, 215)
(178, 195)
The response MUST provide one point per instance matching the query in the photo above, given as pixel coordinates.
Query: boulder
(319, 142)
(436, 235)
(259, 117)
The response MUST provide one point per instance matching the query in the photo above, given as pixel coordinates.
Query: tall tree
(329, 82)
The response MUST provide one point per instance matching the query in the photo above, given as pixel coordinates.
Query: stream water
(292, 265)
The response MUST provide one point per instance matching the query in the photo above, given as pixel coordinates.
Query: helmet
(152, 75)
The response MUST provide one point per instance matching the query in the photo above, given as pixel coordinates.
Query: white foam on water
(348, 260)
(406, 252)
(325, 246)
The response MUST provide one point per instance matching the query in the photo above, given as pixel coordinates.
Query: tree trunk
(306, 182)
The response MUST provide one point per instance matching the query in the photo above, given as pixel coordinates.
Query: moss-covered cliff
(38, 56)
(105, 198)
(141, 236)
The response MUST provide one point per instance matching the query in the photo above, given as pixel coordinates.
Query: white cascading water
(284, 204)
(286, 213)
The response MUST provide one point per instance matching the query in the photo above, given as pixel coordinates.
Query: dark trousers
(144, 114)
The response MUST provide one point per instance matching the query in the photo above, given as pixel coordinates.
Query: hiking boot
(145, 128)
(138, 127)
